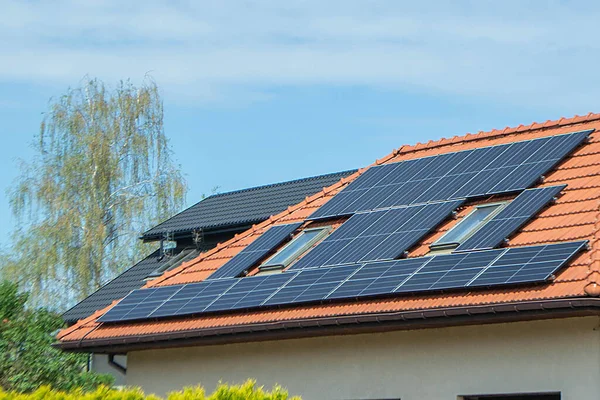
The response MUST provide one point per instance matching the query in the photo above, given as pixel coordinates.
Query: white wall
(553, 355)
(100, 364)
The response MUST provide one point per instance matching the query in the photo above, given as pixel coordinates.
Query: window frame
(267, 266)
(440, 245)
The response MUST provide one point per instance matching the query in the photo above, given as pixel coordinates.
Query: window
(295, 248)
(468, 226)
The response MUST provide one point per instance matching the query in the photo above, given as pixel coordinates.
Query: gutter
(341, 325)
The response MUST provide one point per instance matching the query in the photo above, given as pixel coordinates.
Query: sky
(263, 92)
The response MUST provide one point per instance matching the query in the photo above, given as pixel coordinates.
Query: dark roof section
(243, 207)
(129, 280)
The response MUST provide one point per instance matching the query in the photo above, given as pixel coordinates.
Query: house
(464, 268)
(199, 228)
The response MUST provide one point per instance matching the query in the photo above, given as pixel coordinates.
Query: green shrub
(27, 358)
(247, 391)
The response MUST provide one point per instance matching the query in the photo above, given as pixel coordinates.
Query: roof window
(294, 249)
(468, 226)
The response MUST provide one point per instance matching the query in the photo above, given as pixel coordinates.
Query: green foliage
(247, 391)
(102, 173)
(27, 359)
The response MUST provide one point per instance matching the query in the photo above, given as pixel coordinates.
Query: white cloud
(520, 52)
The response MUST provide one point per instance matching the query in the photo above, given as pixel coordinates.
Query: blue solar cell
(473, 173)
(512, 217)
(527, 264)
(451, 271)
(194, 297)
(309, 285)
(249, 292)
(377, 278)
(255, 251)
(377, 235)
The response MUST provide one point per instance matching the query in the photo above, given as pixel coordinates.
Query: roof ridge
(494, 133)
(157, 229)
(252, 188)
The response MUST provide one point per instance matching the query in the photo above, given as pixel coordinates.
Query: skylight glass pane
(296, 247)
(469, 224)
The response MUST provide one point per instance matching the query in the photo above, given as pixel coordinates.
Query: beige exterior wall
(434, 364)
(100, 364)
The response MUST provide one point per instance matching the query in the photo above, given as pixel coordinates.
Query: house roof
(243, 207)
(219, 211)
(133, 278)
(574, 216)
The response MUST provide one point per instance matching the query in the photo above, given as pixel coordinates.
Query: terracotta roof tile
(573, 217)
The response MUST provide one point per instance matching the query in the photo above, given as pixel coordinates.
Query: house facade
(465, 268)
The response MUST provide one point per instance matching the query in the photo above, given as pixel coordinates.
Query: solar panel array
(377, 235)
(470, 173)
(255, 251)
(510, 218)
(449, 271)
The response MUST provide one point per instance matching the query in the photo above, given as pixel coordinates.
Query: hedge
(247, 391)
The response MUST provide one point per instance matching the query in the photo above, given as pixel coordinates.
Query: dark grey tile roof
(129, 280)
(243, 206)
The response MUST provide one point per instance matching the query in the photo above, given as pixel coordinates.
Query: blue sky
(260, 92)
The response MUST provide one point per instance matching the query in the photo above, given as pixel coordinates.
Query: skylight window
(468, 226)
(294, 249)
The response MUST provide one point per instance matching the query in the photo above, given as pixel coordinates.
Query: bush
(247, 391)
(27, 358)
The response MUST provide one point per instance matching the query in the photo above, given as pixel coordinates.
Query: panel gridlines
(470, 173)
(255, 251)
(510, 218)
(377, 235)
(447, 271)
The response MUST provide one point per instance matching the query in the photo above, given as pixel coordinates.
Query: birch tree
(102, 173)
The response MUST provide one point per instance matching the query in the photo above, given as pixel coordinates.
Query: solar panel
(378, 278)
(311, 285)
(377, 235)
(466, 174)
(527, 264)
(509, 219)
(255, 251)
(491, 267)
(447, 271)
(249, 292)
(191, 298)
(140, 303)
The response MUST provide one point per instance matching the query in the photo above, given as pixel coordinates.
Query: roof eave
(339, 325)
